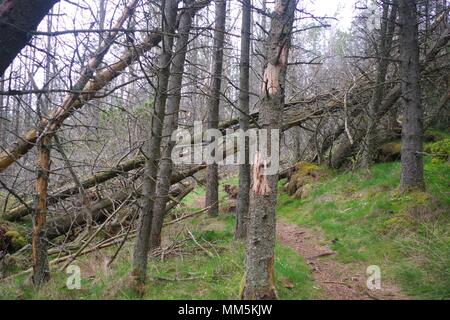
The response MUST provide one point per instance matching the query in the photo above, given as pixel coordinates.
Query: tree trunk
(243, 200)
(260, 256)
(152, 148)
(386, 37)
(212, 180)
(41, 272)
(46, 133)
(18, 18)
(170, 125)
(412, 176)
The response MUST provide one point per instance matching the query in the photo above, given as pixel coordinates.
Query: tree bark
(18, 18)
(412, 176)
(212, 181)
(41, 272)
(171, 124)
(243, 200)
(385, 44)
(46, 134)
(152, 148)
(260, 255)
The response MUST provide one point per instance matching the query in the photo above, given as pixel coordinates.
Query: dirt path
(337, 281)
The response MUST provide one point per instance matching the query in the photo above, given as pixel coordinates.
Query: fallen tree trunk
(295, 114)
(101, 177)
(98, 211)
(345, 148)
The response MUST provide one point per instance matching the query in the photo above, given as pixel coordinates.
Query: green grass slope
(371, 222)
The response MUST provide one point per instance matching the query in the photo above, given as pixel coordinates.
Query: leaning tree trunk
(27, 142)
(344, 150)
(212, 181)
(260, 256)
(412, 176)
(243, 200)
(170, 125)
(152, 150)
(44, 138)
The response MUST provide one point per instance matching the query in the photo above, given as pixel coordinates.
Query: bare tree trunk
(41, 272)
(152, 148)
(170, 125)
(243, 200)
(3, 116)
(412, 176)
(46, 133)
(212, 181)
(18, 18)
(260, 255)
(387, 34)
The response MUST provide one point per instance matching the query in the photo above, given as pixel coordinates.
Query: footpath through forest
(337, 281)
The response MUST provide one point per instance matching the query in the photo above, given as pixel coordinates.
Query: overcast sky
(343, 10)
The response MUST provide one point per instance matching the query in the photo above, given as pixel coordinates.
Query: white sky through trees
(82, 15)
(342, 10)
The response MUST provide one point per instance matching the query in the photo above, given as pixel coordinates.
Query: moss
(301, 181)
(419, 197)
(307, 168)
(440, 150)
(390, 152)
(17, 240)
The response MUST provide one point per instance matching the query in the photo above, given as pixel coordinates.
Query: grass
(193, 275)
(371, 222)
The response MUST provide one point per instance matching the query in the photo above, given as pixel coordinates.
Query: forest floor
(336, 280)
(326, 241)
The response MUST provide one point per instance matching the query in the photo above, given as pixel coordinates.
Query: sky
(343, 10)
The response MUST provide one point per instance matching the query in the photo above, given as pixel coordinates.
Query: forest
(224, 150)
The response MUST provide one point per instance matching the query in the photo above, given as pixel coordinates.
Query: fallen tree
(98, 211)
(345, 148)
(101, 177)
(295, 112)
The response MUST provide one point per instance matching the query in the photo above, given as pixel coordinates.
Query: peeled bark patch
(260, 184)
